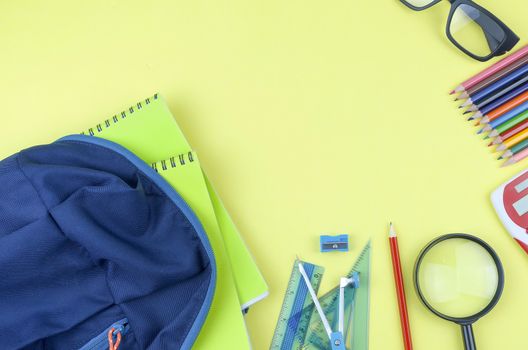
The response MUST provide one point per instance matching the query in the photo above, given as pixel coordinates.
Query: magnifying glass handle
(469, 338)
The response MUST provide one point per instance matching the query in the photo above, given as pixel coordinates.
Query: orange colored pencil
(508, 106)
(400, 290)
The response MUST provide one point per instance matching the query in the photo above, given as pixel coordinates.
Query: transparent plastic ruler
(299, 326)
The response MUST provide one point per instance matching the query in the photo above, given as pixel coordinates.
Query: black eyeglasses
(473, 29)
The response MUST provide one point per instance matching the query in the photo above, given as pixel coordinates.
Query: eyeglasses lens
(475, 31)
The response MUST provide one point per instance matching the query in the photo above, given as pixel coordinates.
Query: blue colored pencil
(498, 94)
(483, 110)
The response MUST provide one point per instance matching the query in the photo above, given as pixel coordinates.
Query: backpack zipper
(101, 342)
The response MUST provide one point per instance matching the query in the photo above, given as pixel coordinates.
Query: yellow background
(309, 116)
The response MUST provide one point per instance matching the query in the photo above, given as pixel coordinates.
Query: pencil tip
(392, 233)
(452, 92)
(470, 119)
(467, 112)
(486, 137)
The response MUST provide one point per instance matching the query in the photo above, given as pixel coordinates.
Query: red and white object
(511, 203)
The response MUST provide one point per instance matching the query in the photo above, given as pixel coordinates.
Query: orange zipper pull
(111, 345)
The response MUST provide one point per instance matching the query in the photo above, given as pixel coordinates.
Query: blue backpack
(97, 251)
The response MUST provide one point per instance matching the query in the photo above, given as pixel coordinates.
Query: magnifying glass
(460, 278)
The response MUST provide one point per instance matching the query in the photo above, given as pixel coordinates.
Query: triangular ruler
(300, 327)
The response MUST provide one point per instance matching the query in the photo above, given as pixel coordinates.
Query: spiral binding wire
(173, 162)
(117, 117)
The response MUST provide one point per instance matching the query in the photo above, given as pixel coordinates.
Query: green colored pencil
(499, 129)
(515, 149)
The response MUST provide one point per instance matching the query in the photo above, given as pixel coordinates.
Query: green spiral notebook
(149, 130)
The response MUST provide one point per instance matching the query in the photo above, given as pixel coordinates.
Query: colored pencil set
(497, 99)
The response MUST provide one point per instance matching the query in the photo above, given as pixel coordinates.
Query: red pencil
(400, 290)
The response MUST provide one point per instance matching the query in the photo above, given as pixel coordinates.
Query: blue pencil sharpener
(337, 243)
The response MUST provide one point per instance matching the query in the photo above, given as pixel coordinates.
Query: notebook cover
(250, 283)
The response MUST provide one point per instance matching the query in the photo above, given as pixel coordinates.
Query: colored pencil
(506, 107)
(400, 289)
(505, 62)
(507, 116)
(497, 94)
(501, 84)
(498, 99)
(510, 128)
(482, 110)
(495, 77)
(515, 149)
(512, 141)
(516, 158)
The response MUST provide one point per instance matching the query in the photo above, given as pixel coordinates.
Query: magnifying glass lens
(458, 277)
